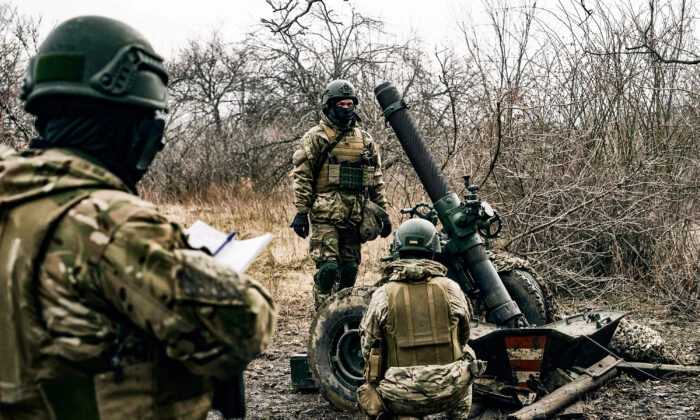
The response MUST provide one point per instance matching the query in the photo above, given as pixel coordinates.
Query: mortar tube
(413, 144)
(503, 310)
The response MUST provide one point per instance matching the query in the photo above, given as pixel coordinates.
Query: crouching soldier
(414, 335)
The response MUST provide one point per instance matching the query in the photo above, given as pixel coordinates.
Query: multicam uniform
(105, 308)
(335, 204)
(419, 321)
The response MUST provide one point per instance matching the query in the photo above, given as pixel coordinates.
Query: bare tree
(324, 45)
(18, 41)
(596, 162)
(652, 43)
(586, 146)
(210, 87)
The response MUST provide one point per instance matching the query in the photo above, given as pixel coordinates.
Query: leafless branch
(647, 48)
(289, 15)
(589, 12)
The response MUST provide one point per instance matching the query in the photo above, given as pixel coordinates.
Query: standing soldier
(337, 178)
(106, 311)
(414, 335)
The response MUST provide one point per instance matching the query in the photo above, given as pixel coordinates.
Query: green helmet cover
(98, 58)
(339, 89)
(416, 235)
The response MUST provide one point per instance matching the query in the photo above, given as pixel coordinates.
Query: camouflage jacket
(372, 326)
(97, 275)
(332, 207)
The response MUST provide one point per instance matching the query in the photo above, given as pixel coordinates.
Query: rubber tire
(525, 291)
(334, 329)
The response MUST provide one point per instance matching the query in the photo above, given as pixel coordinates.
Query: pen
(228, 239)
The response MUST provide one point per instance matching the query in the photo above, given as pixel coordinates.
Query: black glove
(300, 224)
(386, 228)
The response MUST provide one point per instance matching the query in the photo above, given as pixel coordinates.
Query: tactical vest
(345, 169)
(418, 330)
(145, 390)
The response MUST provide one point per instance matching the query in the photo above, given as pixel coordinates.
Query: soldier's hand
(386, 228)
(300, 224)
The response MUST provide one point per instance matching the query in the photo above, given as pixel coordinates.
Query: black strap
(327, 150)
(400, 104)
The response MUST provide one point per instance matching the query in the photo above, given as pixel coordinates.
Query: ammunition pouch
(372, 222)
(375, 372)
(349, 176)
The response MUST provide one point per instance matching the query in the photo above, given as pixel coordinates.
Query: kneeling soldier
(414, 335)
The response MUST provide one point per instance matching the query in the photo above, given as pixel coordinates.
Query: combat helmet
(339, 89)
(98, 58)
(416, 236)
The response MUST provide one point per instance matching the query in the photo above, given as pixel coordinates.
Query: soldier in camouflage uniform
(331, 184)
(107, 312)
(414, 335)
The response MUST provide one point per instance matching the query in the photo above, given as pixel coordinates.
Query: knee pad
(326, 275)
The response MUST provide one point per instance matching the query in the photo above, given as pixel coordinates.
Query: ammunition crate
(302, 378)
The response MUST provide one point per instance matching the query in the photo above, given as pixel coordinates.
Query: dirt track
(270, 394)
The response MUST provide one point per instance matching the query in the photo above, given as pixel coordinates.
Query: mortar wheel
(525, 291)
(334, 350)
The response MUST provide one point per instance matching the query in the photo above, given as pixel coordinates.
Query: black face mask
(104, 137)
(342, 117)
(148, 141)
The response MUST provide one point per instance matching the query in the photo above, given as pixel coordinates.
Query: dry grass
(284, 267)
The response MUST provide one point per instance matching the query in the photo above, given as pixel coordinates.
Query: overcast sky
(168, 24)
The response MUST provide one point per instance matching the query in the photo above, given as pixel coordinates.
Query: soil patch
(270, 394)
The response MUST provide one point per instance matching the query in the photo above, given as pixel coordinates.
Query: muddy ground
(270, 394)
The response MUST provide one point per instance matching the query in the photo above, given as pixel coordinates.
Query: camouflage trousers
(371, 406)
(334, 243)
(461, 409)
(336, 252)
(423, 390)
